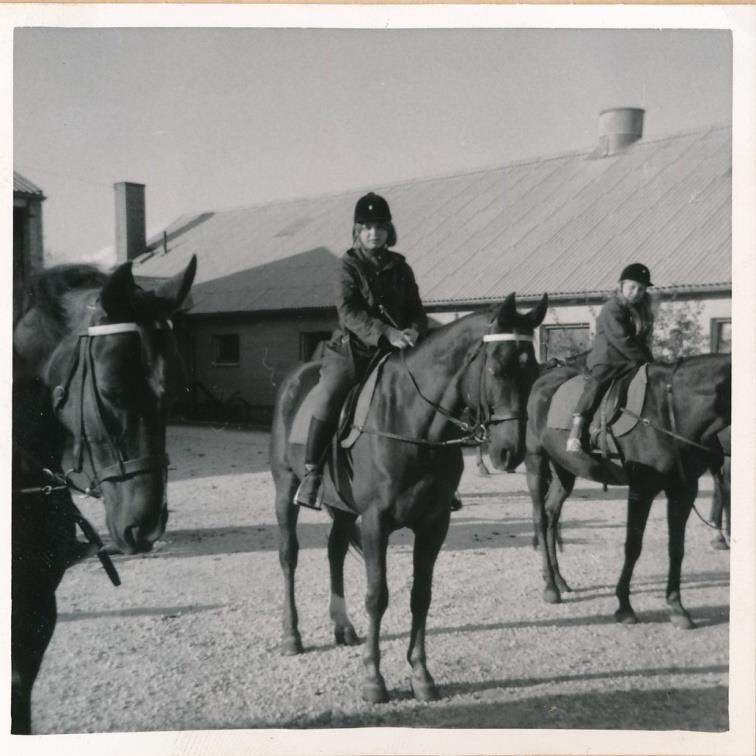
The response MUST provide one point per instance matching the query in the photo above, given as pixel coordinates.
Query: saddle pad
(363, 404)
(563, 403)
(301, 425)
(566, 397)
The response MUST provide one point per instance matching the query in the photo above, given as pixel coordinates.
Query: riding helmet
(371, 208)
(638, 273)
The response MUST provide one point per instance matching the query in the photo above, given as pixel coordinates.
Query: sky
(217, 118)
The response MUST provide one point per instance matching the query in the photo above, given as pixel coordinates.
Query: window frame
(714, 334)
(215, 341)
(543, 338)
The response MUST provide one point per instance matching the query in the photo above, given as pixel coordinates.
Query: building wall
(269, 347)
(27, 245)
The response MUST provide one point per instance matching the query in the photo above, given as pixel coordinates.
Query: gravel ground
(190, 639)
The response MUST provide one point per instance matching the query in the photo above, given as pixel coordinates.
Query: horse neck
(700, 389)
(43, 344)
(437, 365)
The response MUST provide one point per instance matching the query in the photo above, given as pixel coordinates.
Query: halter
(83, 362)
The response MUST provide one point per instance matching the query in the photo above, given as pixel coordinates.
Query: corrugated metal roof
(565, 225)
(22, 185)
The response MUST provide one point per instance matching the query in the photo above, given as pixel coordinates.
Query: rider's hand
(401, 339)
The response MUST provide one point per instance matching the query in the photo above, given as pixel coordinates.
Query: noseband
(83, 363)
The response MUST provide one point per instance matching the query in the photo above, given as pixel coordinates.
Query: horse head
(501, 376)
(113, 381)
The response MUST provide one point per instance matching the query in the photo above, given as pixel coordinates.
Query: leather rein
(474, 434)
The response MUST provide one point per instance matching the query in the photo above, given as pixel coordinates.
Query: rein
(475, 434)
(60, 482)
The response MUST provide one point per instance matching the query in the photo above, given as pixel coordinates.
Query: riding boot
(576, 432)
(318, 438)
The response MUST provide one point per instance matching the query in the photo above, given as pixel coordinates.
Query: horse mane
(46, 291)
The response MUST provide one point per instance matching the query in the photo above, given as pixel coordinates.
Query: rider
(379, 307)
(623, 337)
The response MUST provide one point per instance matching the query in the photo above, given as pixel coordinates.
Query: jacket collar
(392, 260)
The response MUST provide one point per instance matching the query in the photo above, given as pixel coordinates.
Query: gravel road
(189, 641)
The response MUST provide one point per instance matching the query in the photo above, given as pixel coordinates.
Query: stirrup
(308, 492)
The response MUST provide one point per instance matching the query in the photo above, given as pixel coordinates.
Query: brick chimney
(618, 129)
(131, 235)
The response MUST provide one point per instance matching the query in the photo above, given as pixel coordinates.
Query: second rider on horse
(622, 344)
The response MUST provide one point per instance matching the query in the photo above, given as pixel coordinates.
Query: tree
(677, 330)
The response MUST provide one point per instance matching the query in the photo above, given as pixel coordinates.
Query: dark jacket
(361, 293)
(622, 336)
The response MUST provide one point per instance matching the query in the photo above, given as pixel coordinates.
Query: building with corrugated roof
(27, 235)
(565, 225)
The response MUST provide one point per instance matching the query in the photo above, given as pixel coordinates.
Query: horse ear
(507, 311)
(538, 313)
(117, 295)
(174, 290)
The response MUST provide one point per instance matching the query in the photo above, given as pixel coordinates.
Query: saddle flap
(565, 400)
(354, 413)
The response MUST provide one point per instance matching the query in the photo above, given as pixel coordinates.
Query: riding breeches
(597, 382)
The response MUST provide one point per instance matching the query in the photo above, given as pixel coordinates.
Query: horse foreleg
(679, 503)
(429, 536)
(538, 477)
(288, 554)
(338, 544)
(638, 507)
(374, 544)
(31, 631)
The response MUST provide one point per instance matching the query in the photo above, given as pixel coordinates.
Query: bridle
(476, 433)
(81, 374)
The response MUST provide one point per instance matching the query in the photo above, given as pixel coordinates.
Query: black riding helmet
(372, 208)
(637, 272)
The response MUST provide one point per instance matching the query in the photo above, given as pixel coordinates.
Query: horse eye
(114, 396)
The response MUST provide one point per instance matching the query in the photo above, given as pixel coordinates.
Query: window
(721, 335)
(226, 349)
(311, 344)
(564, 340)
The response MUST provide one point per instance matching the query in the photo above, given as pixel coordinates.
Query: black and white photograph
(370, 379)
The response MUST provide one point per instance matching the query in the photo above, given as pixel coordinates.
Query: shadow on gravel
(695, 709)
(703, 616)
(164, 612)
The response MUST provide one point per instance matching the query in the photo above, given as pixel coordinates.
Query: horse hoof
(424, 690)
(346, 636)
(626, 617)
(720, 544)
(291, 645)
(552, 596)
(375, 693)
(563, 587)
(682, 621)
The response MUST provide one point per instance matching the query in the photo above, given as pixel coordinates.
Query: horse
(406, 465)
(720, 503)
(686, 404)
(95, 364)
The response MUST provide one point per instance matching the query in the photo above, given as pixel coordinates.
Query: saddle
(336, 486)
(610, 421)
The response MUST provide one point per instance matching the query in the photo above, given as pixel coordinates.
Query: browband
(508, 337)
(110, 328)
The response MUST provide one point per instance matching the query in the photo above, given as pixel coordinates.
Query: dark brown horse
(720, 503)
(95, 363)
(686, 405)
(484, 361)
